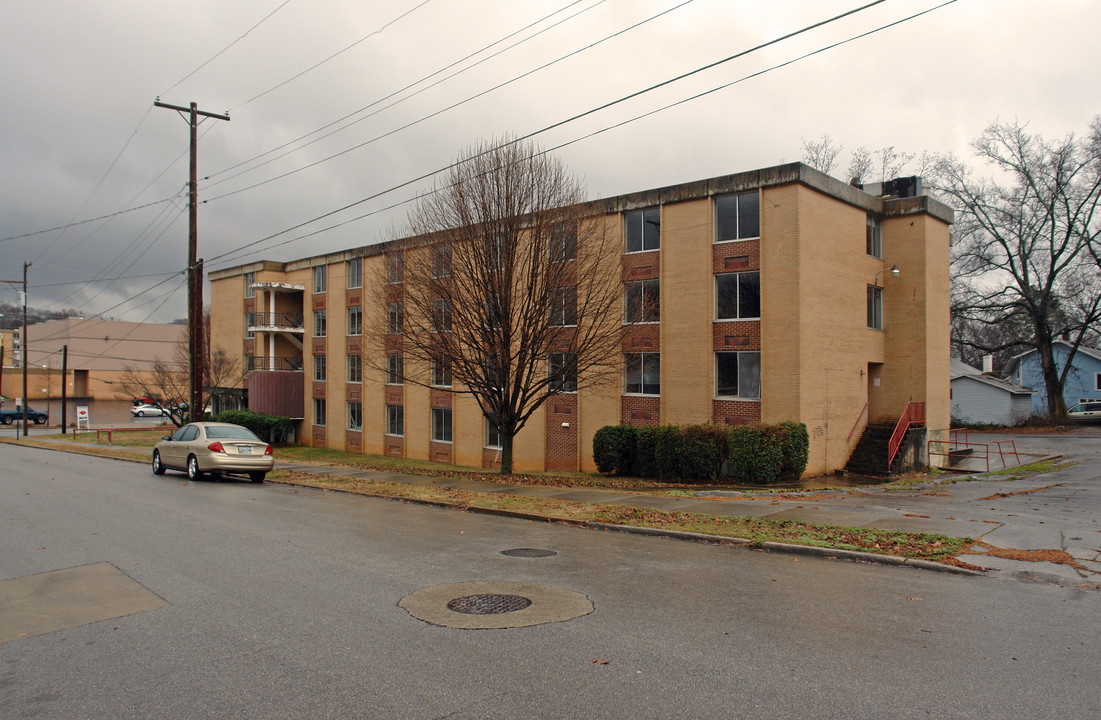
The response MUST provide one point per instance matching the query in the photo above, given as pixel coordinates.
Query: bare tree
(168, 384)
(821, 154)
(510, 287)
(1023, 251)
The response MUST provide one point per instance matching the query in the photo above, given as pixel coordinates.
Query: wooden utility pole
(194, 265)
(64, 384)
(24, 345)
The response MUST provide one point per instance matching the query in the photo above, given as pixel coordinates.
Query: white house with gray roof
(983, 398)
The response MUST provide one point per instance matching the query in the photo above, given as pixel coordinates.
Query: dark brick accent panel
(561, 449)
(641, 411)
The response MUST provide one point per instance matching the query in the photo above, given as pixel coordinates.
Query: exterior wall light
(893, 270)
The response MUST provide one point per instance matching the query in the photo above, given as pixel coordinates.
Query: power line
(338, 52)
(552, 126)
(227, 47)
(403, 89)
(447, 108)
(89, 220)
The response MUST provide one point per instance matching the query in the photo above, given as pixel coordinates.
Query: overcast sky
(80, 138)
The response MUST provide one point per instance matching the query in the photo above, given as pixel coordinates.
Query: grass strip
(938, 548)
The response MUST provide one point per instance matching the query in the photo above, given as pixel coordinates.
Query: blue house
(1083, 380)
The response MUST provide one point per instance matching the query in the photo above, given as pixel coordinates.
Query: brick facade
(817, 356)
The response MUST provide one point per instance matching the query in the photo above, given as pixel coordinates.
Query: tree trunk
(506, 451)
(1056, 404)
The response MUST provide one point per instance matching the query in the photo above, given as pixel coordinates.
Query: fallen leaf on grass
(599, 661)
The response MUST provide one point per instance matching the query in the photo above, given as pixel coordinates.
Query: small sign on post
(82, 416)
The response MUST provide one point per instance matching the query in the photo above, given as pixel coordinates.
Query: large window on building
(642, 301)
(355, 320)
(395, 420)
(563, 242)
(394, 318)
(738, 374)
(493, 435)
(441, 424)
(441, 371)
(395, 369)
(642, 229)
(874, 239)
(250, 278)
(319, 325)
(738, 295)
(562, 370)
(320, 278)
(355, 273)
(319, 411)
(355, 368)
(875, 307)
(395, 267)
(563, 306)
(642, 373)
(355, 415)
(441, 315)
(737, 217)
(319, 368)
(441, 261)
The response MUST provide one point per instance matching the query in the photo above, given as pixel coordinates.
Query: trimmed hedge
(742, 454)
(613, 447)
(273, 428)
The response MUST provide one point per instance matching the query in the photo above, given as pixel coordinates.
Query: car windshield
(231, 432)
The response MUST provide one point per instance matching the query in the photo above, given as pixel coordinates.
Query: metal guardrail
(965, 449)
(283, 364)
(277, 320)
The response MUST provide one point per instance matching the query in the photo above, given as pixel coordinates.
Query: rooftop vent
(902, 187)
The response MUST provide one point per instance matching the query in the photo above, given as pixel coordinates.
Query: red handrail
(856, 424)
(914, 414)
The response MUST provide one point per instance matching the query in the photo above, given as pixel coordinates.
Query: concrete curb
(788, 548)
(791, 549)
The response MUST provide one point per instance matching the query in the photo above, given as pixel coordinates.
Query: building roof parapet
(775, 176)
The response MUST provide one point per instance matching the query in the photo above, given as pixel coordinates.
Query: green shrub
(755, 455)
(703, 449)
(645, 461)
(273, 428)
(614, 449)
(795, 444)
(667, 442)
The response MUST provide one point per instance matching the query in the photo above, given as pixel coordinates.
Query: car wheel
(39, 419)
(158, 466)
(141, 413)
(6, 420)
(193, 471)
(257, 476)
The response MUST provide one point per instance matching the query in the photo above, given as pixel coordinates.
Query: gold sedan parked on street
(210, 447)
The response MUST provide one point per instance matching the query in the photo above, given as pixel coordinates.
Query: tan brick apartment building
(760, 296)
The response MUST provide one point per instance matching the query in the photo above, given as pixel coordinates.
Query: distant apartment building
(764, 296)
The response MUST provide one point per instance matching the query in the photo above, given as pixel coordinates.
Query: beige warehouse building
(99, 351)
(763, 296)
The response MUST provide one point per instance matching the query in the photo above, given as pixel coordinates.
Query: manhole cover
(488, 604)
(528, 552)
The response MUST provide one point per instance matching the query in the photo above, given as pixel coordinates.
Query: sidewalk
(1042, 513)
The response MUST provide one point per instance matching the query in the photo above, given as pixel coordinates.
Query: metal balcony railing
(284, 364)
(282, 320)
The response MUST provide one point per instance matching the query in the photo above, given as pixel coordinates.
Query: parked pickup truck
(11, 415)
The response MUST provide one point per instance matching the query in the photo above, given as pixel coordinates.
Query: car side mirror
(166, 437)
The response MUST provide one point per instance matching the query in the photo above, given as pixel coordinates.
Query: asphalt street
(268, 601)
